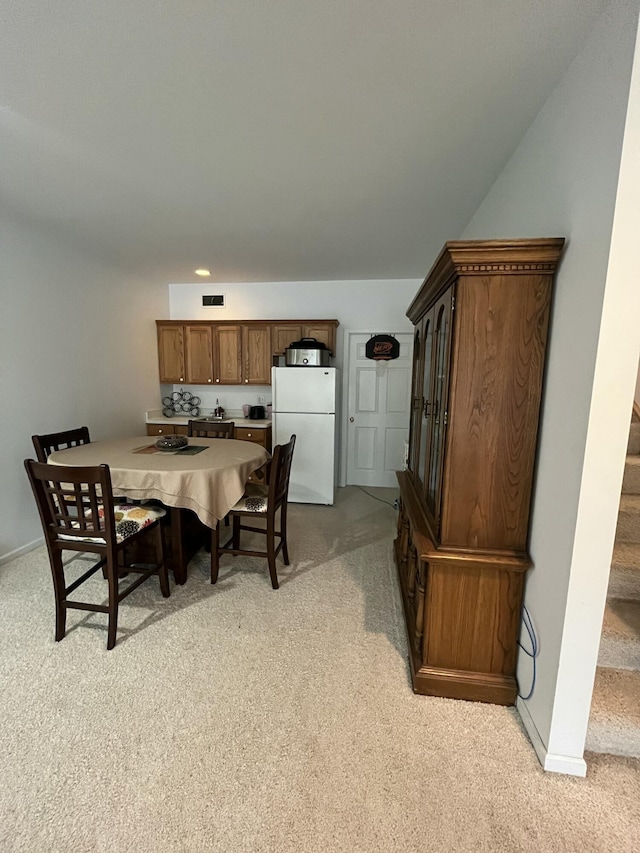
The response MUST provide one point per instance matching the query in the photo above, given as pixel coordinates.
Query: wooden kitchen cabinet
(256, 355)
(323, 332)
(171, 353)
(243, 355)
(258, 435)
(239, 352)
(284, 334)
(169, 429)
(199, 354)
(228, 355)
(481, 320)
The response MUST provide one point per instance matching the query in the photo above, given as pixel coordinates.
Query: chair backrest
(76, 503)
(280, 472)
(46, 444)
(211, 429)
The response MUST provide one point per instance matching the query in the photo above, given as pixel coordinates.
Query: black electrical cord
(533, 654)
(393, 506)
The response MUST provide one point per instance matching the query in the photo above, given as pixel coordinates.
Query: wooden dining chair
(44, 445)
(261, 501)
(101, 528)
(211, 429)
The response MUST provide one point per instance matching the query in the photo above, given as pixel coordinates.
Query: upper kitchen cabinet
(325, 332)
(171, 353)
(228, 354)
(256, 355)
(284, 333)
(199, 354)
(240, 352)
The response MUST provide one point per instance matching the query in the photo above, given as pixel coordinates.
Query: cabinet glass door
(416, 401)
(441, 349)
(425, 402)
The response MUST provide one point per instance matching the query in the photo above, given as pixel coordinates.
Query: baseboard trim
(24, 549)
(550, 762)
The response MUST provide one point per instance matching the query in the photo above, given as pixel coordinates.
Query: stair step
(620, 640)
(631, 479)
(628, 529)
(614, 723)
(634, 438)
(624, 580)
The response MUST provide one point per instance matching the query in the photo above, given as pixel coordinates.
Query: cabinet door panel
(416, 402)
(321, 332)
(426, 404)
(440, 393)
(282, 336)
(171, 353)
(228, 355)
(199, 354)
(256, 346)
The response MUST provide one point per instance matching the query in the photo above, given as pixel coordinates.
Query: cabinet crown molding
(485, 257)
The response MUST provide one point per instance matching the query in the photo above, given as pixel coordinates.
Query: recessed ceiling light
(203, 272)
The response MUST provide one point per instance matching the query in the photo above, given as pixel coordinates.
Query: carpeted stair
(614, 724)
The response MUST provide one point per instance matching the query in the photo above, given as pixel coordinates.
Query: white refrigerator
(305, 404)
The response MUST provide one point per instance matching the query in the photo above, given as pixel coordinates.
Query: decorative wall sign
(382, 348)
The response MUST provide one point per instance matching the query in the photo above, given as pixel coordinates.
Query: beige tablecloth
(208, 483)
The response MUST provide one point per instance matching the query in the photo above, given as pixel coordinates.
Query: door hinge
(446, 415)
(453, 303)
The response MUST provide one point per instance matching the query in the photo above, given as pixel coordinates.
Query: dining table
(206, 478)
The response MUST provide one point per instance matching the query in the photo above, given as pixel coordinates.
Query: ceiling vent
(213, 301)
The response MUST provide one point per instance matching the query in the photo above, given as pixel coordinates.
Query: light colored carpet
(238, 718)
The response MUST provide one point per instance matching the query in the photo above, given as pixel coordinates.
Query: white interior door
(379, 404)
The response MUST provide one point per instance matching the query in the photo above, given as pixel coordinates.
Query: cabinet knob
(246, 380)
(159, 430)
(249, 435)
(209, 380)
(217, 380)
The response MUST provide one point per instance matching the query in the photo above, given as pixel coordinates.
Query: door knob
(351, 420)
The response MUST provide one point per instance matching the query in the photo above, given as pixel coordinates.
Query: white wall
(77, 347)
(376, 306)
(562, 181)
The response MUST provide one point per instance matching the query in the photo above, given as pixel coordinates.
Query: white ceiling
(270, 139)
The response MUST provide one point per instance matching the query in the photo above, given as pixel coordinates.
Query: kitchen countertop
(155, 416)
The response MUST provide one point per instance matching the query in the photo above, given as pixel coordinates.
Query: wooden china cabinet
(481, 319)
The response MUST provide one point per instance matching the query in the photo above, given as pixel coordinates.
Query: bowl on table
(172, 442)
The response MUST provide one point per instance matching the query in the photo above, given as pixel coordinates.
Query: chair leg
(163, 572)
(215, 553)
(283, 531)
(113, 608)
(271, 552)
(60, 596)
(236, 532)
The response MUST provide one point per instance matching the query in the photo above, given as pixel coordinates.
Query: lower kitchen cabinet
(156, 429)
(258, 435)
(261, 436)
